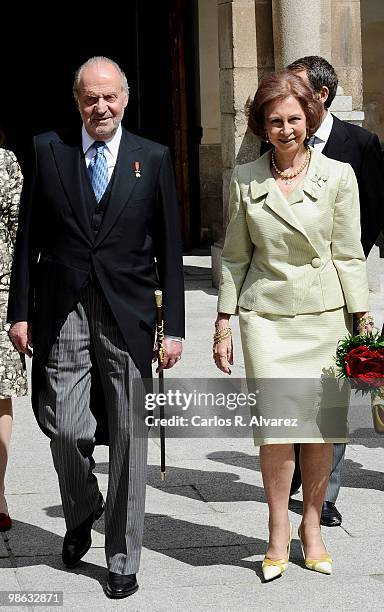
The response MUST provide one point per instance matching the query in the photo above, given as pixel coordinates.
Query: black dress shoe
(330, 516)
(295, 484)
(77, 542)
(296, 478)
(294, 489)
(120, 586)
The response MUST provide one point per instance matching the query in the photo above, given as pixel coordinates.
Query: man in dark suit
(361, 149)
(98, 233)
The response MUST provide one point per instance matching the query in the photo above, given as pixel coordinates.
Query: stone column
(238, 81)
(330, 28)
(296, 30)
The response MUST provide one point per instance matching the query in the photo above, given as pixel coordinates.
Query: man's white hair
(98, 59)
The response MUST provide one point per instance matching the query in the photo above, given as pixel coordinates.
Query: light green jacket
(297, 255)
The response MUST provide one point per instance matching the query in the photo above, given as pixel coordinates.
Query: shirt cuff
(177, 338)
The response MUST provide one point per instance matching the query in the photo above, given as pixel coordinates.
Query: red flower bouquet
(361, 359)
(366, 364)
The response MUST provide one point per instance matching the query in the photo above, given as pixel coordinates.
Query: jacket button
(316, 262)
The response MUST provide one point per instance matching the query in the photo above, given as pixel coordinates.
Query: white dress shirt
(111, 149)
(323, 133)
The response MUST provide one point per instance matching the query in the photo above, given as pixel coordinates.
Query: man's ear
(323, 94)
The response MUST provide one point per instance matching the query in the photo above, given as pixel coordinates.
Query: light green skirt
(291, 360)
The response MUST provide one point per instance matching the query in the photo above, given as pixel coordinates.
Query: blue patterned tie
(98, 170)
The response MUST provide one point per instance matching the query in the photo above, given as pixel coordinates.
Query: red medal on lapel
(136, 166)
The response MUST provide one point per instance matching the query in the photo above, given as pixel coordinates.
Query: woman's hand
(365, 322)
(223, 348)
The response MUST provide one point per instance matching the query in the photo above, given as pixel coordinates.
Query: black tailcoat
(136, 250)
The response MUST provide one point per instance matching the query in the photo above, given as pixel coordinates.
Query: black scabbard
(160, 349)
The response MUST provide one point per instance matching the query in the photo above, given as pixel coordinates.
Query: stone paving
(206, 525)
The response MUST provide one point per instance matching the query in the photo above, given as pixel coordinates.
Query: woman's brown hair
(278, 86)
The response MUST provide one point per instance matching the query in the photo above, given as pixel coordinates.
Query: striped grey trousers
(90, 338)
(334, 483)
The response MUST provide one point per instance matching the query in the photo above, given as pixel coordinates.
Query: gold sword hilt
(160, 325)
(159, 298)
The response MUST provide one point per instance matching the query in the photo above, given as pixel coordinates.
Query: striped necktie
(98, 170)
(312, 141)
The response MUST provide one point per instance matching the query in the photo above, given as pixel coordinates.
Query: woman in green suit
(294, 270)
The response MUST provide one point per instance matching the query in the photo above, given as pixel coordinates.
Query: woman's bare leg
(6, 416)
(316, 464)
(277, 462)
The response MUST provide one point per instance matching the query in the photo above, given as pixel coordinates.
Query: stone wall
(346, 48)
(210, 166)
(264, 37)
(238, 81)
(372, 30)
(211, 196)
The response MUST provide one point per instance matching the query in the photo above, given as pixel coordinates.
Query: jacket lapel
(261, 186)
(69, 160)
(335, 147)
(317, 175)
(278, 203)
(124, 182)
(312, 185)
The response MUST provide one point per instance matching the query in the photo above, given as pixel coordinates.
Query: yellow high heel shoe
(323, 565)
(272, 568)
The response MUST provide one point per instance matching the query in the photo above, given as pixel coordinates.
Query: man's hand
(20, 334)
(173, 350)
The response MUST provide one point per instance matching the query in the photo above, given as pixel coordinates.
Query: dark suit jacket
(361, 149)
(56, 247)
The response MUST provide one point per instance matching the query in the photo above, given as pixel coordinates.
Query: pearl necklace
(288, 176)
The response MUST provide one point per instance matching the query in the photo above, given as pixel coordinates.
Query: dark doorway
(147, 41)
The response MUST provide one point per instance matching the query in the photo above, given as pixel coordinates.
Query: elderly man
(98, 233)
